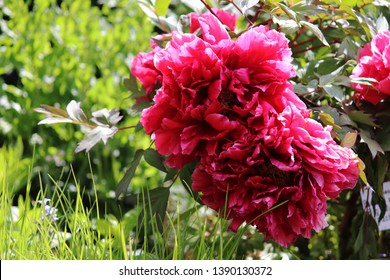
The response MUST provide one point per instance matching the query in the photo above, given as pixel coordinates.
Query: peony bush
(269, 114)
(229, 104)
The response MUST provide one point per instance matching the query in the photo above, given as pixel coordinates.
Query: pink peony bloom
(210, 86)
(228, 104)
(226, 18)
(289, 159)
(374, 62)
(142, 67)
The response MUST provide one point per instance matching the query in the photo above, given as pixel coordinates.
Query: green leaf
(366, 241)
(186, 180)
(316, 31)
(153, 158)
(384, 138)
(373, 145)
(131, 84)
(362, 117)
(287, 26)
(125, 181)
(334, 91)
(290, 13)
(161, 7)
(153, 204)
(50, 110)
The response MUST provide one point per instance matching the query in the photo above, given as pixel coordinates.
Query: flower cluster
(229, 105)
(374, 63)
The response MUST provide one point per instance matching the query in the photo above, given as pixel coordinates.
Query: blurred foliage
(55, 51)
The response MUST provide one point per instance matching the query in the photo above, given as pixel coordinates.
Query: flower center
(227, 99)
(279, 177)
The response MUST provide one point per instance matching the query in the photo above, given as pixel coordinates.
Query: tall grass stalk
(82, 233)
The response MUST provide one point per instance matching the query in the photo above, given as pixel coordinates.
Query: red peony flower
(288, 159)
(374, 63)
(142, 67)
(211, 85)
(229, 105)
(226, 18)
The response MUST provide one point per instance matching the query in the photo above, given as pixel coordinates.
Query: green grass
(189, 230)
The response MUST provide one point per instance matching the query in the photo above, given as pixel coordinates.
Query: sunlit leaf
(51, 120)
(382, 24)
(288, 26)
(75, 112)
(53, 111)
(245, 5)
(94, 136)
(362, 174)
(290, 13)
(161, 7)
(106, 117)
(316, 31)
(54, 115)
(327, 119)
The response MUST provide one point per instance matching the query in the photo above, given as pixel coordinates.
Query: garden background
(53, 52)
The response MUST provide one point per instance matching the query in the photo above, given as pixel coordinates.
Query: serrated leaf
(316, 31)
(75, 112)
(94, 136)
(131, 84)
(362, 117)
(161, 7)
(373, 145)
(153, 158)
(125, 181)
(106, 117)
(349, 140)
(348, 47)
